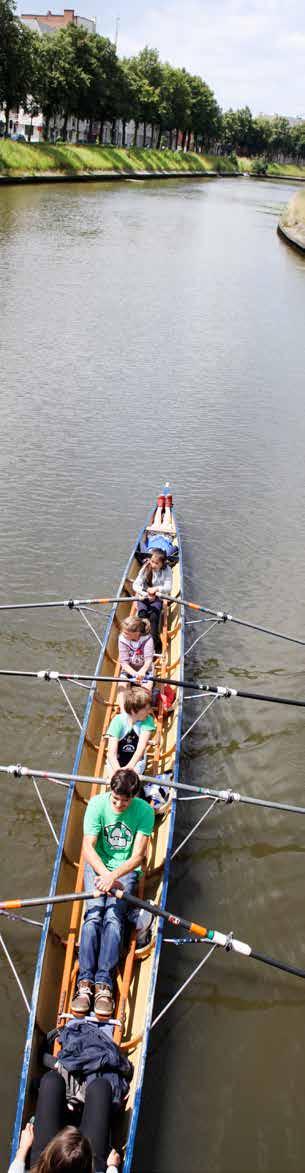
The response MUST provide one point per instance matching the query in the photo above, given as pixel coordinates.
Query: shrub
(259, 167)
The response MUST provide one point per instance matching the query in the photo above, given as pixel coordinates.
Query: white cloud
(249, 53)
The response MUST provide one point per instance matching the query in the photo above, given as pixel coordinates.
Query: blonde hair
(135, 623)
(68, 1152)
(135, 699)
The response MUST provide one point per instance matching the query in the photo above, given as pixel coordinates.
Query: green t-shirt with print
(116, 832)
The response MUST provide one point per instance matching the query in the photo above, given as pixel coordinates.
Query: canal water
(153, 333)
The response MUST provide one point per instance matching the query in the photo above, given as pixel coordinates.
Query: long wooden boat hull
(56, 968)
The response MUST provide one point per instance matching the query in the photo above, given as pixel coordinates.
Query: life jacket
(127, 746)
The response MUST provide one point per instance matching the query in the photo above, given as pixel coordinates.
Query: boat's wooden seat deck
(60, 963)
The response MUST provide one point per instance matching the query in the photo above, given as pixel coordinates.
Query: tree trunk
(77, 129)
(64, 128)
(7, 116)
(183, 140)
(159, 138)
(177, 138)
(123, 132)
(136, 127)
(101, 131)
(188, 139)
(113, 130)
(152, 134)
(195, 142)
(144, 134)
(171, 140)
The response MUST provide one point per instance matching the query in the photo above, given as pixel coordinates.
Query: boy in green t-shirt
(117, 827)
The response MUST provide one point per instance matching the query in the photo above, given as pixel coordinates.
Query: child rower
(152, 584)
(136, 650)
(130, 732)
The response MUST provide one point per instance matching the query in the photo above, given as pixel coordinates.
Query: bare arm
(146, 668)
(104, 884)
(112, 756)
(127, 668)
(91, 856)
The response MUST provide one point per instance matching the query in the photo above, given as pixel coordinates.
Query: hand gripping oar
(218, 690)
(224, 616)
(225, 940)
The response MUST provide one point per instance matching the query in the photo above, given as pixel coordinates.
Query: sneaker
(81, 1003)
(103, 1002)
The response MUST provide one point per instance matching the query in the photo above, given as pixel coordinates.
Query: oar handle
(226, 940)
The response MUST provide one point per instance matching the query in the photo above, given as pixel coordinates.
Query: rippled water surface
(151, 333)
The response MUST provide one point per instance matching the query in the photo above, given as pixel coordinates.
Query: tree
(175, 102)
(144, 74)
(103, 93)
(18, 48)
(205, 115)
(64, 75)
(237, 131)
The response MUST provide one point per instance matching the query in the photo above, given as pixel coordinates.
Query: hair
(136, 698)
(126, 783)
(135, 623)
(147, 568)
(68, 1152)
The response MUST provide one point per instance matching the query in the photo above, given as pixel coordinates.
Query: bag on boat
(86, 1050)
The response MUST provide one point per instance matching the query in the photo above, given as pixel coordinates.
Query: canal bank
(52, 163)
(291, 226)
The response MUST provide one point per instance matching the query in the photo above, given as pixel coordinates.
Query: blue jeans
(102, 931)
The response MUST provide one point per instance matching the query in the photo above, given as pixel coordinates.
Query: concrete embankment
(102, 177)
(291, 226)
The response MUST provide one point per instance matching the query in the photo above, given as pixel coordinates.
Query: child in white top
(152, 584)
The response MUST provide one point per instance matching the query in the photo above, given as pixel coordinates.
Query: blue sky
(249, 51)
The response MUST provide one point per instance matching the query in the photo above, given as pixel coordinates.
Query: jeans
(102, 931)
(52, 1115)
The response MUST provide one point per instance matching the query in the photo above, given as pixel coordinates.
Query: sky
(251, 52)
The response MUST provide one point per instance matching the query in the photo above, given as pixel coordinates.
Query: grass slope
(18, 159)
(275, 170)
(293, 217)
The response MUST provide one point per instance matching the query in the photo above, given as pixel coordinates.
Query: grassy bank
(29, 160)
(275, 170)
(17, 159)
(293, 219)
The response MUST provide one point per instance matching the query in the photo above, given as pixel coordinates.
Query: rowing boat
(57, 963)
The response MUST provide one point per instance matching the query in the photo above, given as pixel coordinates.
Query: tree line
(79, 74)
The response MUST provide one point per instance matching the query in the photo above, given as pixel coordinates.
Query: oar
(168, 783)
(216, 689)
(225, 616)
(227, 796)
(70, 603)
(225, 940)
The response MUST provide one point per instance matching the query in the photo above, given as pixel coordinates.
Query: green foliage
(259, 167)
(18, 48)
(76, 73)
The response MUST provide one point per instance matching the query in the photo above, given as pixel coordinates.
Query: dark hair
(68, 1152)
(126, 783)
(147, 569)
